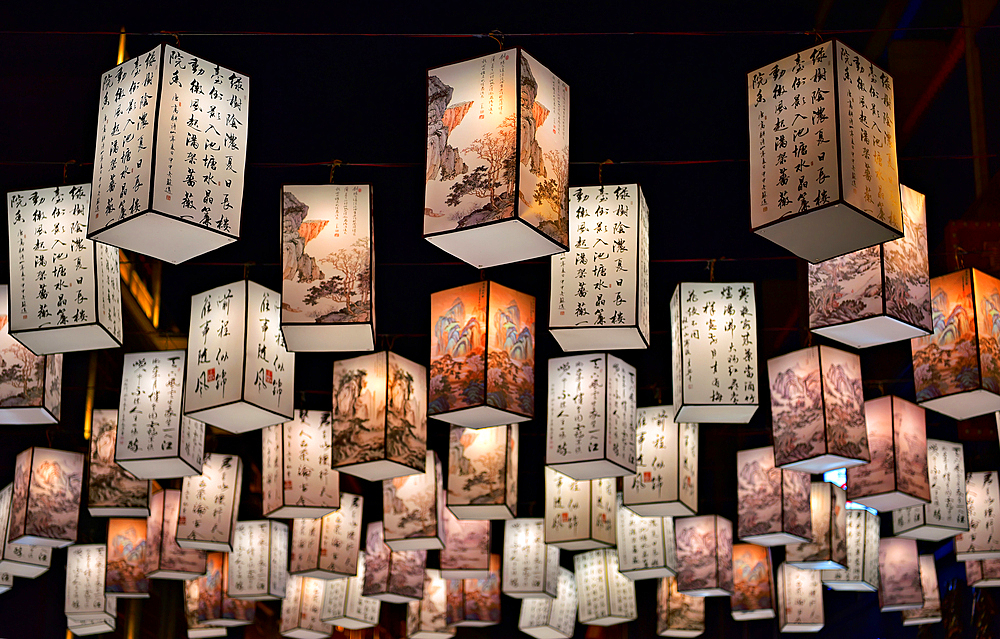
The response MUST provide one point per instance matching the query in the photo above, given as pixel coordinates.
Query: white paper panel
(209, 504)
(297, 479)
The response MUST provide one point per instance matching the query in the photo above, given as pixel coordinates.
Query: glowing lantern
(530, 566)
(300, 609)
(551, 619)
(981, 542)
(773, 503)
(328, 548)
(192, 606)
(605, 596)
(126, 559)
(343, 604)
(466, 552)
(45, 504)
(753, 588)
(86, 600)
(257, 568)
(863, 535)
(215, 607)
(209, 503)
(704, 556)
(677, 614)
(426, 618)
(32, 393)
(983, 574)
(20, 560)
(390, 575)
(296, 473)
(579, 514)
(413, 508)
(800, 599)
(645, 545)
(111, 491)
(164, 558)
(899, 575)
(665, 483)
(948, 513)
(828, 548)
(82, 628)
(475, 602)
(930, 612)
(482, 472)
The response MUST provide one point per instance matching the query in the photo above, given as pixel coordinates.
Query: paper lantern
(828, 548)
(530, 566)
(665, 483)
(800, 599)
(753, 588)
(646, 545)
(466, 552)
(297, 480)
(343, 604)
(111, 490)
(65, 290)
(85, 574)
(482, 472)
(426, 618)
(209, 503)
(947, 514)
(983, 574)
(45, 504)
(482, 356)
(300, 609)
(981, 496)
(863, 534)
(215, 607)
(164, 558)
(930, 612)
(551, 618)
(327, 548)
(258, 564)
(32, 392)
(390, 575)
(475, 602)
(704, 555)
(154, 440)
(817, 410)
(579, 514)
(899, 575)
(773, 503)
(192, 603)
(379, 416)
(496, 184)
(126, 559)
(956, 371)
(240, 377)
(86, 628)
(713, 332)
(605, 596)
(20, 560)
(413, 508)
(171, 149)
(677, 614)
(591, 421)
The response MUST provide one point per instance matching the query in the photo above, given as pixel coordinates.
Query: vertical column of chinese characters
(262, 554)
(690, 333)
(17, 202)
(748, 317)
(304, 468)
(223, 502)
(69, 237)
(619, 246)
(132, 104)
(758, 84)
(710, 316)
(133, 389)
(817, 122)
(600, 255)
(955, 486)
(152, 420)
(578, 250)
(595, 396)
(171, 433)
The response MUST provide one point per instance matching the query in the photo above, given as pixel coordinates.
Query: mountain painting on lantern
(771, 500)
(22, 375)
(752, 578)
(52, 498)
(127, 557)
(109, 485)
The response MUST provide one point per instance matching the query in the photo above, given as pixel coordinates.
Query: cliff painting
(846, 288)
(510, 375)
(907, 273)
(752, 588)
(387, 571)
(466, 544)
(946, 362)
(53, 497)
(676, 611)
(23, 375)
(771, 500)
(412, 505)
(478, 465)
(699, 548)
(899, 572)
(163, 553)
(406, 412)
(988, 321)
(127, 557)
(108, 484)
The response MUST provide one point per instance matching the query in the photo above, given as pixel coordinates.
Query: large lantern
(899, 575)
(930, 612)
(164, 558)
(413, 508)
(646, 545)
(390, 575)
(482, 472)
(665, 483)
(863, 535)
(327, 290)
(753, 588)
(426, 618)
(948, 513)
(466, 552)
(983, 574)
(45, 504)
(530, 566)
(828, 548)
(85, 575)
(21, 560)
(328, 548)
(551, 619)
(32, 392)
(111, 491)
(297, 480)
(677, 614)
(800, 599)
(215, 607)
(482, 356)
(475, 602)
(126, 559)
(773, 503)
(704, 556)
(257, 569)
(982, 496)
(497, 160)
(301, 607)
(343, 604)
(209, 503)
(579, 514)
(605, 596)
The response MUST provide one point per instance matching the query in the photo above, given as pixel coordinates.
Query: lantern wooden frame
(692, 555)
(752, 575)
(863, 535)
(677, 470)
(165, 559)
(789, 575)
(551, 619)
(828, 548)
(36, 469)
(468, 464)
(523, 542)
(761, 487)
(946, 464)
(316, 487)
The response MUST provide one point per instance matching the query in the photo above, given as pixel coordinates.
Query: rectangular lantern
(85, 628)
(257, 569)
(983, 574)
(427, 617)
(45, 504)
(343, 604)
(126, 567)
(466, 552)
(677, 614)
(704, 556)
(899, 575)
(65, 289)
(155, 441)
(579, 514)
(880, 294)
(646, 545)
(240, 377)
(164, 558)
(753, 588)
(413, 508)
(665, 483)
(947, 515)
(930, 612)
(817, 410)
(982, 497)
(956, 371)
(482, 355)
(393, 576)
(605, 596)
(85, 575)
(301, 607)
(800, 599)
(482, 472)
(555, 618)
(713, 333)
(497, 160)
(828, 548)
(217, 608)
(591, 418)
(530, 566)
(31, 392)
(20, 560)
(111, 490)
(379, 416)
(327, 548)
(773, 503)
(297, 480)
(209, 504)
(192, 606)
(170, 155)
(475, 602)
(599, 291)
(863, 534)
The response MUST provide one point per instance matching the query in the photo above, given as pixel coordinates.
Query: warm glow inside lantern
(111, 491)
(32, 384)
(579, 514)
(753, 588)
(704, 556)
(296, 475)
(982, 494)
(677, 614)
(773, 503)
(899, 575)
(427, 618)
(475, 602)
(983, 574)
(413, 508)
(482, 472)
(300, 609)
(257, 568)
(530, 566)
(328, 548)
(212, 606)
(645, 545)
(209, 503)
(605, 597)
(947, 515)
(20, 560)
(85, 573)
(863, 534)
(194, 604)
(930, 612)
(466, 552)
(126, 559)
(665, 483)
(828, 548)
(800, 599)
(390, 575)
(344, 605)
(45, 504)
(164, 558)
(83, 628)
(551, 619)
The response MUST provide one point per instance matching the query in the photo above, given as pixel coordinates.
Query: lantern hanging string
(333, 167)
(496, 35)
(122, 54)
(66, 170)
(600, 171)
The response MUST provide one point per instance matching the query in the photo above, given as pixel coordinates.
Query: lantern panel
(215, 607)
(579, 514)
(774, 505)
(85, 574)
(427, 618)
(981, 542)
(392, 576)
(466, 552)
(164, 558)
(753, 588)
(208, 512)
(126, 559)
(948, 513)
(555, 618)
(343, 604)
(45, 504)
(899, 575)
(863, 534)
(413, 508)
(300, 609)
(530, 566)
(482, 472)
(257, 569)
(983, 574)
(20, 560)
(704, 556)
(605, 596)
(297, 480)
(646, 546)
(328, 548)
(665, 483)
(828, 549)
(930, 612)
(111, 490)
(677, 614)
(31, 392)
(84, 628)
(192, 603)
(800, 599)
(475, 602)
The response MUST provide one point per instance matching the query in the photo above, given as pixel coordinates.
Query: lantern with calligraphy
(466, 552)
(753, 588)
(930, 612)
(111, 491)
(45, 504)
(427, 618)
(394, 576)
(947, 515)
(343, 604)
(551, 618)
(497, 160)
(32, 390)
(126, 559)
(645, 545)
(862, 554)
(665, 483)
(530, 566)
(85, 574)
(327, 548)
(800, 599)
(828, 548)
(147, 197)
(773, 503)
(164, 558)
(209, 503)
(591, 420)
(20, 560)
(704, 555)
(605, 596)
(482, 356)
(83, 628)
(257, 568)
(817, 410)
(216, 608)
(956, 371)
(677, 614)
(297, 480)
(713, 333)
(899, 575)
(192, 606)
(300, 609)
(475, 602)
(982, 497)
(482, 472)
(983, 574)
(579, 514)
(413, 508)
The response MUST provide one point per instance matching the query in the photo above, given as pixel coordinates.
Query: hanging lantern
(192, 606)
(605, 596)
(327, 290)
(20, 560)
(862, 554)
(164, 558)
(245, 378)
(126, 559)
(258, 568)
(551, 618)
(215, 607)
(327, 548)
(45, 504)
(482, 355)
(379, 416)
(497, 184)
(665, 483)
(466, 552)
(209, 504)
(530, 566)
(930, 612)
(828, 548)
(111, 490)
(475, 602)
(753, 588)
(591, 422)
(704, 556)
(85, 574)
(390, 575)
(300, 609)
(677, 614)
(426, 618)
(343, 604)
(482, 472)
(713, 332)
(162, 204)
(646, 547)
(85, 628)
(981, 542)
(817, 410)
(413, 508)
(982, 574)
(947, 514)
(154, 440)
(297, 478)
(32, 393)
(773, 503)
(579, 514)
(899, 575)
(800, 599)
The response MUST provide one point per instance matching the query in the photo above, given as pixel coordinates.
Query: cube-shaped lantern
(880, 294)
(981, 496)
(209, 504)
(646, 545)
(677, 614)
(83, 628)
(213, 606)
(301, 607)
(126, 559)
(800, 599)
(258, 567)
(599, 295)
(379, 416)
(427, 617)
(343, 604)
(530, 566)
(413, 508)
(899, 575)
(930, 612)
(240, 377)
(111, 491)
(45, 504)
(482, 472)
(863, 534)
(713, 333)
(983, 574)
(551, 618)
(466, 552)
(297, 480)
(171, 149)
(475, 602)
(85, 573)
(956, 371)
(591, 420)
(704, 556)
(665, 483)
(327, 548)
(579, 514)
(193, 605)
(773, 503)
(394, 576)
(20, 560)
(817, 410)
(327, 291)
(497, 160)
(31, 392)
(164, 558)
(65, 289)
(482, 356)
(828, 548)
(947, 515)
(753, 588)
(605, 596)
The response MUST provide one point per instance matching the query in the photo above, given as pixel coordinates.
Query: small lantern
(482, 356)
(466, 552)
(45, 504)
(193, 604)
(379, 416)
(713, 332)
(863, 534)
(897, 441)
(327, 291)
(216, 607)
(666, 466)
(209, 504)
(948, 513)
(85, 574)
(475, 602)
(591, 421)
(800, 599)
(297, 478)
(817, 410)
(899, 575)
(599, 292)
(551, 618)
(32, 393)
(530, 566)
(704, 556)
(828, 548)
(126, 559)
(327, 548)
(579, 514)
(497, 160)
(426, 618)
(20, 560)
(677, 614)
(773, 503)
(930, 612)
(258, 568)
(149, 197)
(753, 588)
(413, 508)
(390, 575)
(343, 604)
(164, 558)
(981, 542)
(154, 440)
(482, 472)
(605, 596)
(646, 547)
(240, 377)
(983, 574)
(111, 490)
(300, 609)
(82, 628)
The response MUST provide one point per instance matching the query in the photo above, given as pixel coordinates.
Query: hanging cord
(496, 35)
(122, 54)
(333, 167)
(66, 171)
(710, 267)
(600, 171)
